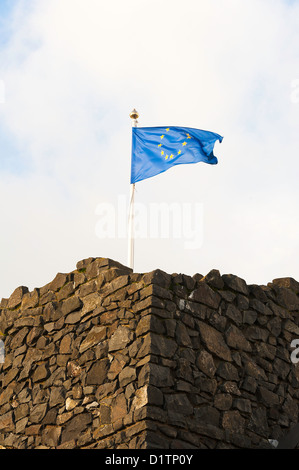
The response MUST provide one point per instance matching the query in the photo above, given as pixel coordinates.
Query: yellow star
(185, 143)
(167, 129)
(179, 152)
(188, 136)
(162, 153)
(162, 136)
(160, 145)
(171, 157)
(166, 157)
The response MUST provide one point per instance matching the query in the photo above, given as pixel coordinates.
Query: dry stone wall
(110, 359)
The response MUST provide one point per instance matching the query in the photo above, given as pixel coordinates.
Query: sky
(70, 74)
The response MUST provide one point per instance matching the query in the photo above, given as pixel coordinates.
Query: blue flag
(155, 149)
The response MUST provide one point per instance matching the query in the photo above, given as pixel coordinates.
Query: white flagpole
(134, 116)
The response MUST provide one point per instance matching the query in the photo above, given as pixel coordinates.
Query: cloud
(73, 71)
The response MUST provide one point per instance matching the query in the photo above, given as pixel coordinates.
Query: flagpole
(134, 116)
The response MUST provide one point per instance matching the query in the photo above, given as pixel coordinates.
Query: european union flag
(156, 149)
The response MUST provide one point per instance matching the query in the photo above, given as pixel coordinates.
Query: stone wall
(106, 358)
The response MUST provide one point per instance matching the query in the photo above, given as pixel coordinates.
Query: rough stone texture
(105, 358)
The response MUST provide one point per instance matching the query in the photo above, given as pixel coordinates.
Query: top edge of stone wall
(95, 266)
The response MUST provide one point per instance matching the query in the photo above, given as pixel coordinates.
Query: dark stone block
(40, 374)
(242, 302)
(255, 333)
(207, 414)
(156, 375)
(258, 422)
(208, 386)
(151, 303)
(122, 337)
(290, 408)
(51, 416)
(85, 262)
(257, 292)
(6, 422)
(75, 427)
(30, 300)
(249, 317)
(195, 309)
(235, 283)
(184, 370)
(97, 374)
(288, 283)
(206, 363)
(281, 368)
(96, 335)
(59, 281)
(118, 408)
(217, 321)
(158, 277)
(38, 413)
(236, 339)
(243, 405)
(266, 351)
(66, 291)
(234, 314)
(240, 441)
(233, 421)
(189, 282)
(227, 295)
(57, 396)
(260, 307)
(267, 397)
(207, 430)
(178, 403)
(214, 341)
(19, 338)
(286, 297)
(16, 297)
(162, 346)
(150, 323)
(213, 279)
(205, 295)
(227, 371)
(223, 401)
(182, 337)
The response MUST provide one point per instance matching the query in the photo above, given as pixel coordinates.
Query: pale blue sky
(73, 71)
(6, 6)
(11, 157)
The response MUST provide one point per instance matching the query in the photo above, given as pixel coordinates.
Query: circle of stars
(171, 156)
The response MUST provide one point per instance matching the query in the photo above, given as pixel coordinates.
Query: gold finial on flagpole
(134, 115)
